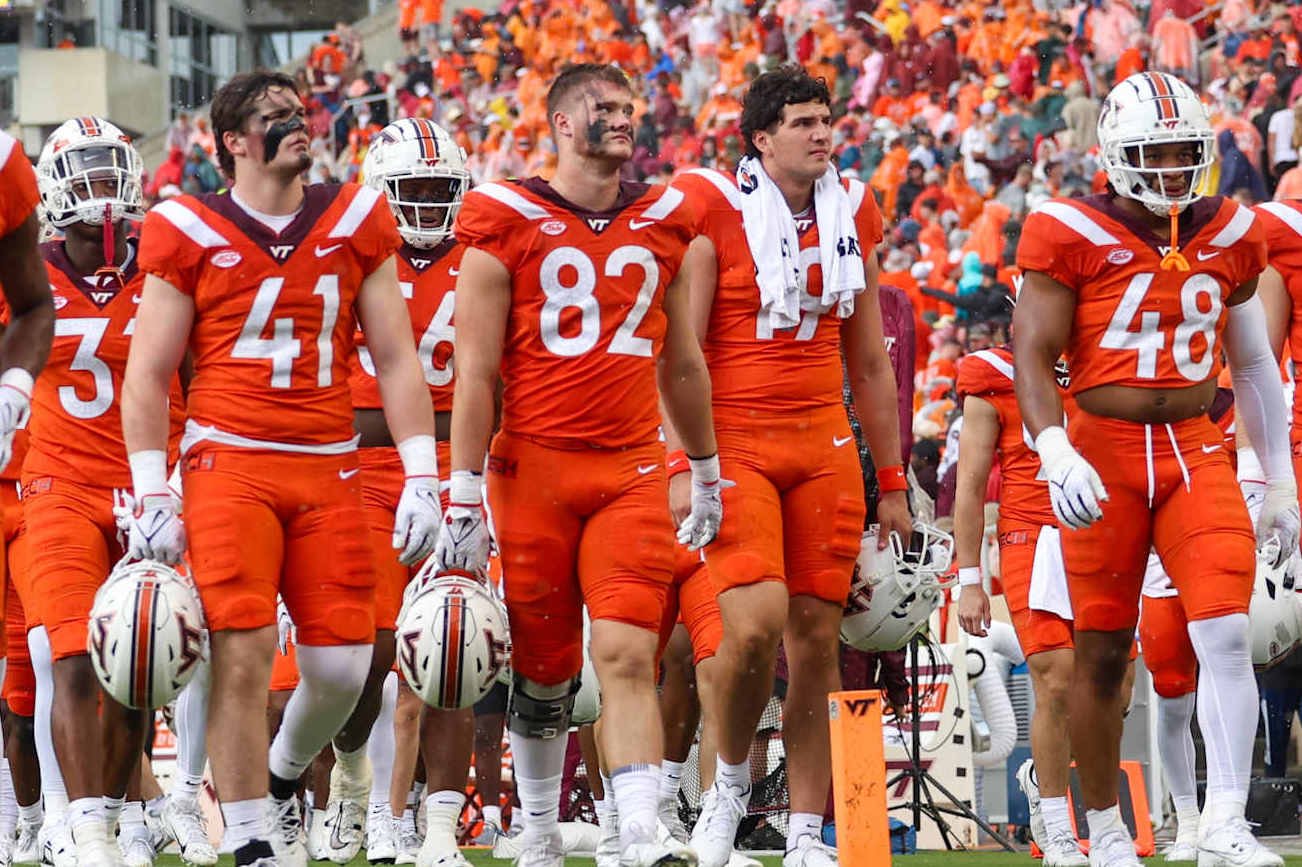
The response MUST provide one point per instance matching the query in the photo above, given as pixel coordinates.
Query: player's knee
(1103, 664)
(335, 672)
(753, 639)
(1174, 684)
(541, 710)
(1051, 677)
(623, 660)
(75, 675)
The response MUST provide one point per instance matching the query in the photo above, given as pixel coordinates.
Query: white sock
(493, 815)
(132, 816)
(539, 764)
(112, 812)
(1054, 812)
(1186, 818)
(803, 825)
(246, 821)
(52, 788)
(1103, 821)
(1227, 712)
(191, 719)
(380, 747)
(352, 765)
(330, 682)
(85, 812)
(607, 813)
(736, 776)
(8, 802)
(637, 790)
(32, 814)
(671, 780)
(1175, 746)
(442, 810)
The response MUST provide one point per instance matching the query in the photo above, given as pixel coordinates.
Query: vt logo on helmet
(422, 172)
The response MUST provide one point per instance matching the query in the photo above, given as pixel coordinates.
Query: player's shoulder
(195, 219)
(1070, 221)
(12, 157)
(712, 188)
(985, 373)
(1231, 222)
(507, 199)
(1282, 223)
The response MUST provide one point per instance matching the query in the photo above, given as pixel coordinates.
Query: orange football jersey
(1024, 496)
(587, 319)
(18, 193)
(1283, 224)
(274, 312)
(428, 279)
(754, 368)
(14, 470)
(76, 424)
(1136, 324)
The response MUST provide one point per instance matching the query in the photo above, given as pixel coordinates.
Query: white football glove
(156, 530)
(702, 524)
(1279, 516)
(15, 408)
(416, 522)
(285, 631)
(1075, 489)
(464, 540)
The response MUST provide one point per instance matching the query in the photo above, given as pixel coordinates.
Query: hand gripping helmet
(1154, 108)
(894, 590)
(453, 638)
(1274, 612)
(147, 634)
(422, 172)
(89, 171)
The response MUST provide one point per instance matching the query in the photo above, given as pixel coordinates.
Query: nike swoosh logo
(840, 441)
(326, 251)
(135, 299)
(642, 471)
(348, 474)
(1207, 450)
(452, 272)
(1210, 255)
(639, 224)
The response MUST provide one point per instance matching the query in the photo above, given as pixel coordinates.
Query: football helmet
(895, 590)
(1154, 108)
(89, 169)
(147, 633)
(1274, 612)
(406, 153)
(453, 638)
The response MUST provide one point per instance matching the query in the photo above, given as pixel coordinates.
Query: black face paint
(597, 131)
(278, 132)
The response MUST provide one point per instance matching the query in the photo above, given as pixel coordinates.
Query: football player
(1280, 289)
(571, 291)
(786, 286)
(1142, 288)
(76, 471)
(266, 285)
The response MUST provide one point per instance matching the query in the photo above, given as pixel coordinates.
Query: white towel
(1049, 576)
(775, 245)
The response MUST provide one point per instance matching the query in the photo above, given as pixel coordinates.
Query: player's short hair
(233, 102)
(577, 75)
(762, 107)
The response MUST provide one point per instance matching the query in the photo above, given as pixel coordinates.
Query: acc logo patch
(59, 301)
(226, 259)
(552, 227)
(1121, 256)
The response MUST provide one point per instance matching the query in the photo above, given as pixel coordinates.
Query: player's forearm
(1037, 392)
(685, 393)
(876, 405)
(408, 410)
(26, 342)
(145, 422)
(969, 520)
(472, 421)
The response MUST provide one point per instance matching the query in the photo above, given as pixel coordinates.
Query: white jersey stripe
(7, 143)
(857, 191)
(1235, 229)
(512, 199)
(665, 205)
(189, 224)
(356, 212)
(1080, 223)
(1289, 216)
(994, 361)
(723, 184)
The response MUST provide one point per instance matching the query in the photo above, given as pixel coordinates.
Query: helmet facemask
(93, 183)
(425, 202)
(1131, 175)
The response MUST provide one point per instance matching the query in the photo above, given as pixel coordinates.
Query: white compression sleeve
(191, 733)
(1258, 394)
(330, 682)
(1227, 710)
(1176, 747)
(52, 788)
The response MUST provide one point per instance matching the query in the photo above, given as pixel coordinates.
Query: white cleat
(722, 809)
(658, 854)
(6, 852)
(1027, 782)
(1061, 850)
(440, 850)
(540, 850)
(1114, 849)
(345, 823)
(93, 849)
(1232, 845)
(381, 837)
(56, 844)
(409, 840)
(318, 838)
(185, 823)
(27, 848)
(137, 847)
(671, 821)
(287, 838)
(1181, 850)
(809, 851)
(740, 860)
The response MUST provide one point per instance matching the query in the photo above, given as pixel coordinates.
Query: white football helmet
(78, 160)
(1275, 612)
(895, 590)
(406, 153)
(147, 633)
(453, 638)
(1154, 108)
(587, 701)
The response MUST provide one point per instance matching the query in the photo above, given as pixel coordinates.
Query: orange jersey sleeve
(76, 424)
(587, 319)
(1135, 323)
(14, 470)
(275, 318)
(1282, 222)
(754, 367)
(18, 193)
(428, 279)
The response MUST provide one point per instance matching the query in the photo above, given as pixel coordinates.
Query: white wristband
(705, 471)
(1052, 444)
(148, 472)
(18, 379)
(467, 488)
(969, 575)
(420, 456)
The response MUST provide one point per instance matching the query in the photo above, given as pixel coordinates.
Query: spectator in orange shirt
(409, 26)
(432, 20)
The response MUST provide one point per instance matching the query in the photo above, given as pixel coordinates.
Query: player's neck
(1159, 225)
(87, 254)
(798, 192)
(587, 183)
(269, 195)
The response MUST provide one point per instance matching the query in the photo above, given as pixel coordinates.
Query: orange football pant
(262, 522)
(1168, 653)
(693, 601)
(1184, 501)
(578, 526)
(19, 689)
(1037, 631)
(796, 513)
(284, 669)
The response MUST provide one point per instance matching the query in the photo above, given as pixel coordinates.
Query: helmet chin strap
(109, 275)
(1174, 260)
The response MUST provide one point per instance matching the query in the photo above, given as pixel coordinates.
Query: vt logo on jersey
(420, 264)
(803, 224)
(281, 251)
(101, 297)
(597, 225)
